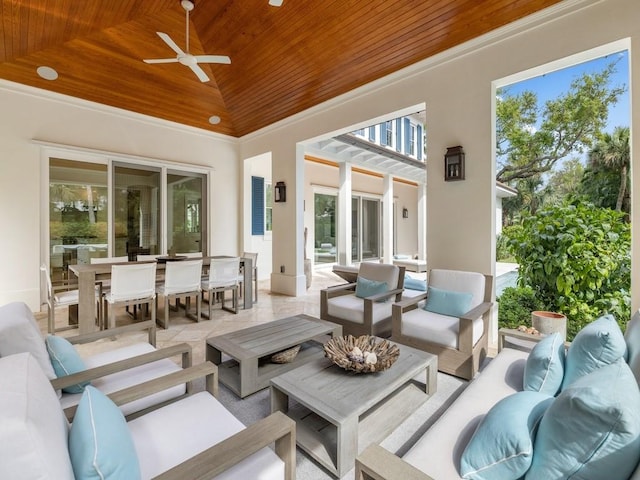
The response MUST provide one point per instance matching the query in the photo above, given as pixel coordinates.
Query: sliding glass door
(78, 213)
(186, 205)
(136, 205)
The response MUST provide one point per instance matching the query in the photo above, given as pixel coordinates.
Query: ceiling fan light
(214, 119)
(47, 73)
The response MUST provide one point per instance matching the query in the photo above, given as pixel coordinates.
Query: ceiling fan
(186, 58)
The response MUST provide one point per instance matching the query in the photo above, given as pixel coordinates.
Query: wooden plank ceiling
(284, 59)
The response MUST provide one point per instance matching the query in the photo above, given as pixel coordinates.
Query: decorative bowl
(362, 354)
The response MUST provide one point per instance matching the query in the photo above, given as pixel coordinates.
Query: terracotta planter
(549, 322)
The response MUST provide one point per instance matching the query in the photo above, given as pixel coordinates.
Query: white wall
(29, 114)
(457, 89)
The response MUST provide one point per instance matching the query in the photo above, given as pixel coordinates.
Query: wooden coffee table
(250, 349)
(339, 413)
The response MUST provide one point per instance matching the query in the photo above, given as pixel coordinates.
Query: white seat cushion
(447, 438)
(172, 434)
(351, 308)
(437, 328)
(459, 281)
(127, 378)
(34, 430)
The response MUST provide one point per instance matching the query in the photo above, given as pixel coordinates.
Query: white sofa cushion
(33, 431)
(176, 432)
(380, 272)
(351, 308)
(127, 378)
(437, 328)
(439, 450)
(20, 333)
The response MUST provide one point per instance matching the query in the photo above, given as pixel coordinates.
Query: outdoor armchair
(450, 320)
(359, 312)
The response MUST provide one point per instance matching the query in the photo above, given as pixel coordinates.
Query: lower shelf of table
(318, 437)
(229, 371)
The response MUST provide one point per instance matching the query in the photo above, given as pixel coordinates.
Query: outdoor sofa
(589, 429)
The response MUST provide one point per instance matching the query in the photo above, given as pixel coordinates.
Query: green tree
(576, 258)
(564, 182)
(532, 139)
(612, 154)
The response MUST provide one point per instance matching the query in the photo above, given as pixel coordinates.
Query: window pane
(355, 221)
(325, 228)
(370, 228)
(136, 203)
(185, 215)
(77, 213)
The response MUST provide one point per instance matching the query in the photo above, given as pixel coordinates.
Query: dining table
(89, 274)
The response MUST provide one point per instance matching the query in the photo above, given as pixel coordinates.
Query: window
(389, 133)
(412, 141)
(268, 207)
(325, 228)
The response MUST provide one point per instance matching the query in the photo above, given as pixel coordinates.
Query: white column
(387, 218)
(422, 221)
(343, 246)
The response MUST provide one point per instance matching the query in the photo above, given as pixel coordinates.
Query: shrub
(576, 259)
(516, 305)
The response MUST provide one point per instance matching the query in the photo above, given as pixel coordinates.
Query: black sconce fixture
(280, 192)
(405, 213)
(454, 164)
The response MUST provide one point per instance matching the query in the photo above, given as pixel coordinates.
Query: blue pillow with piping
(65, 361)
(445, 302)
(366, 288)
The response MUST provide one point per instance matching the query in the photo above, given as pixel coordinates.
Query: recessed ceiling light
(47, 73)
(214, 119)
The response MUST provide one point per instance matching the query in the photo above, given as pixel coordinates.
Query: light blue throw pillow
(592, 429)
(366, 288)
(445, 302)
(502, 446)
(65, 361)
(415, 284)
(632, 339)
(544, 369)
(100, 444)
(599, 343)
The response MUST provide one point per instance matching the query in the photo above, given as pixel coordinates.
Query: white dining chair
(144, 257)
(61, 296)
(223, 276)
(181, 280)
(121, 259)
(133, 284)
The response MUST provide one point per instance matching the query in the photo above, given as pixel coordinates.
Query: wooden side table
(517, 334)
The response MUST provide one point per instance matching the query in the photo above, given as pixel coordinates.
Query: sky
(554, 84)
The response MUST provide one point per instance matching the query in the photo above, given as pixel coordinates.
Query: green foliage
(576, 259)
(516, 305)
(531, 139)
(503, 251)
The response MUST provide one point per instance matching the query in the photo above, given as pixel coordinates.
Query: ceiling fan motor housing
(188, 5)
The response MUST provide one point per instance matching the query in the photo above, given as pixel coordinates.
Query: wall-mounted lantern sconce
(280, 194)
(454, 164)
(405, 213)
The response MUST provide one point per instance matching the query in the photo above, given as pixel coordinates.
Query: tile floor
(269, 307)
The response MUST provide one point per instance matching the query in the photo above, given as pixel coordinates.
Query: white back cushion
(380, 272)
(20, 333)
(459, 281)
(34, 430)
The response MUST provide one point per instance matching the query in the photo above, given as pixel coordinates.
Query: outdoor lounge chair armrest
(477, 311)
(339, 288)
(410, 301)
(125, 364)
(141, 390)
(384, 295)
(377, 463)
(111, 332)
(276, 428)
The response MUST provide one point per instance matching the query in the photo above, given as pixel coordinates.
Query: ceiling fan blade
(213, 59)
(199, 73)
(275, 3)
(161, 60)
(167, 39)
